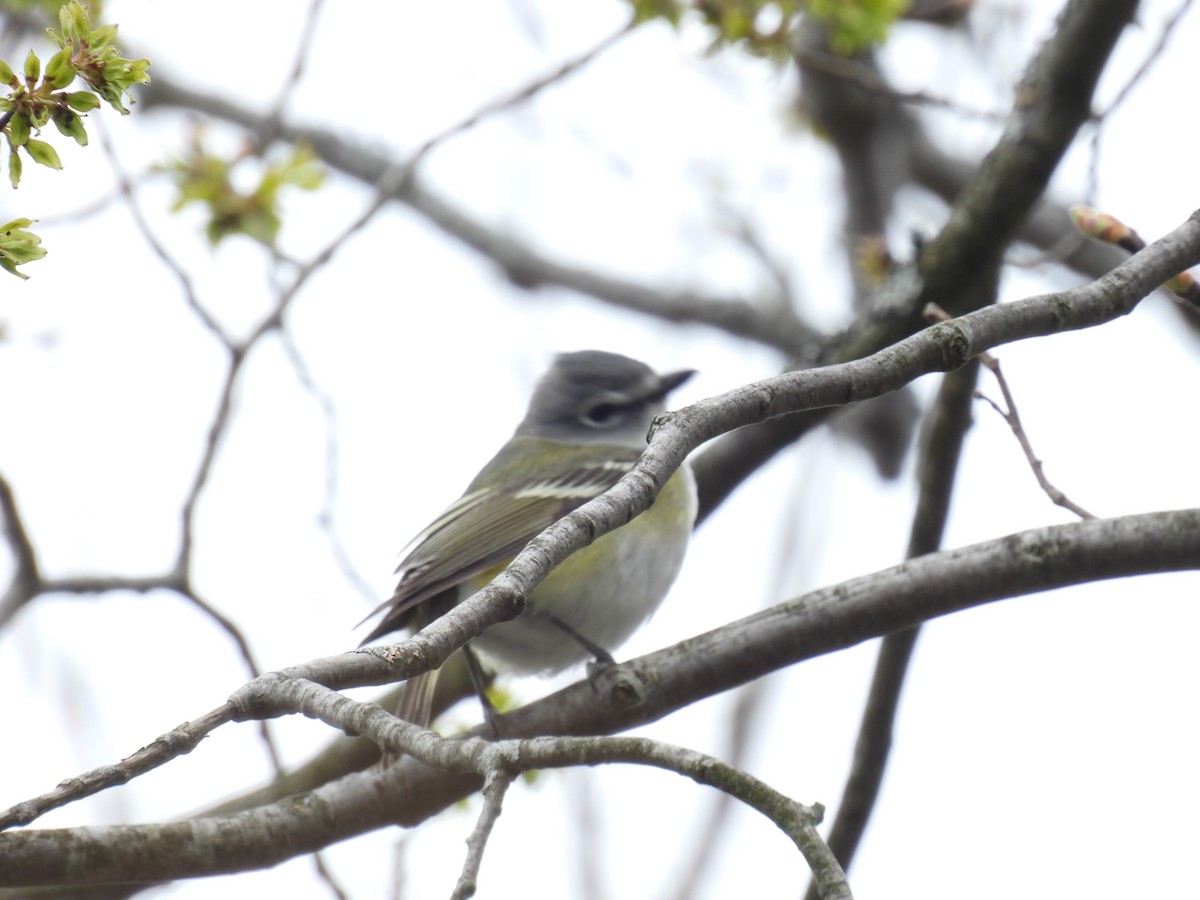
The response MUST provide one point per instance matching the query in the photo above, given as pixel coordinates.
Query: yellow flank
(602, 592)
(670, 513)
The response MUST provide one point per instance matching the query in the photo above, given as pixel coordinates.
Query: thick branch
(887, 370)
(940, 347)
(1053, 100)
(992, 201)
(819, 622)
(910, 594)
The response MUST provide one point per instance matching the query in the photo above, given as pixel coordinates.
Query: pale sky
(1046, 746)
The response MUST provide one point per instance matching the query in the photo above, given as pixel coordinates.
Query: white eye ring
(602, 414)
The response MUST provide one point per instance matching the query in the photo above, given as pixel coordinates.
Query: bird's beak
(672, 380)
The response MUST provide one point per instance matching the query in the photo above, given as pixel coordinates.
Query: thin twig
(158, 752)
(220, 418)
(1156, 53)
(520, 262)
(1056, 254)
(327, 875)
(326, 515)
(216, 430)
(181, 571)
(235, 634)
(870, 82)
(125, 187)
(300, 60)
(935, 313)
(82, 213)
(748, 235)
(495, 786)
(521, 94)
(397, 177)
(1152, 56)
(1013, 419)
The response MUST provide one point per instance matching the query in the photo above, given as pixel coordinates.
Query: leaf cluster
(765, 27)
(856, 25)
(18, 246)
(91, 55)
(207, 178)
(37, 96)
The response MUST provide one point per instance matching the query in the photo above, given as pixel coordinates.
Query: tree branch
(991, 203)
(27, 576)
(761, 321)
(819, 622)
(1052, 101)
(941, 446)
(938, 348)
(495, 786)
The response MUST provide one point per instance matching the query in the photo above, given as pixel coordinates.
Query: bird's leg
(603, 657)
(479, 680)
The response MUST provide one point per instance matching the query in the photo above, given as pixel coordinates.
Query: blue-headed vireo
(585, 427)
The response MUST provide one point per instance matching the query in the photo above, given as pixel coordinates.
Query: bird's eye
(602, 414)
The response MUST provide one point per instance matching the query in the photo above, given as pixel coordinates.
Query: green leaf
(645, 10)
(21, 245)
(18, 130)
(39, 114)
(856, 25)
(82, 101)
(18, 246)
(6, 73)
(71, 125)
(60, 71)
(14, 168)
(43, 154)
(33, 67)
(74, 21)
(97, 61)
(102, 37)
(117, 76)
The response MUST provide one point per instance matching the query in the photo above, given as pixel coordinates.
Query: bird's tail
(416, 706)
(416, 703)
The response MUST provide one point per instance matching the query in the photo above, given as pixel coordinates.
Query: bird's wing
(489, 526)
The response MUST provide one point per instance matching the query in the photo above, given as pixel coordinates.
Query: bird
(585, 427)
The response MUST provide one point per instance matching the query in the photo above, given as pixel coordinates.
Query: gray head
(595, 397)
